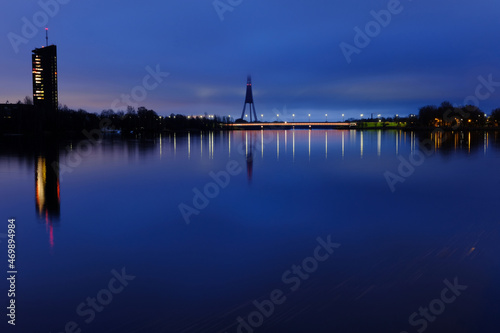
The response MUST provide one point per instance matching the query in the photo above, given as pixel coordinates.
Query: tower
(249, 100)
(45, 99)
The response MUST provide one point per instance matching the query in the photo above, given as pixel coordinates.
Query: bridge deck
(293, 124)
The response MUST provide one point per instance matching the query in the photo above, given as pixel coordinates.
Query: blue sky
(430, 51)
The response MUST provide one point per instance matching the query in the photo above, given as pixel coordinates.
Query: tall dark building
(45, 79)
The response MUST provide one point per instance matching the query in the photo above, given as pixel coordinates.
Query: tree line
(448, 116)
(23, 117)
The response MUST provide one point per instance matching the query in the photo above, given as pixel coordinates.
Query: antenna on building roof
(47, 36)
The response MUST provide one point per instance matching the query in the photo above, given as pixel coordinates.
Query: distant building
(45, 79)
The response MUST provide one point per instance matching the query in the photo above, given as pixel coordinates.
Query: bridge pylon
(249, 100)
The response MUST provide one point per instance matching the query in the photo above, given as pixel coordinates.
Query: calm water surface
(273, 231)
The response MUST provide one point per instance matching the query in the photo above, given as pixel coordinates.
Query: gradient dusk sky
(430, 51)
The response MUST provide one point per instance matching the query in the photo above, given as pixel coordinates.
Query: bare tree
(28, 100)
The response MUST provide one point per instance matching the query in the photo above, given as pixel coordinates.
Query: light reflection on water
(119, 206)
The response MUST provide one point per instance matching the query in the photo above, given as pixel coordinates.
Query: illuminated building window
(44, 65)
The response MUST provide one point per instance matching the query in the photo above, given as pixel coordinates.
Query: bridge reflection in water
(335, 142)
(326, 144)
(212, 144)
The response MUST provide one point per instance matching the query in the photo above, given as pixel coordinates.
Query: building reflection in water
(47, 187)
